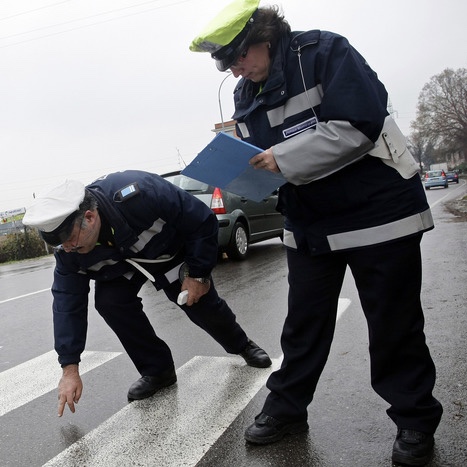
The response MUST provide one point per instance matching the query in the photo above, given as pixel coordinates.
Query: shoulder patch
(127, 192)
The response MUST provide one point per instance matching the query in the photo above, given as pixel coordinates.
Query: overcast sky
(89, 87)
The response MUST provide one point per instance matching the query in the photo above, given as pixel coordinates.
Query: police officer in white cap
(353, 199)
(120, 231)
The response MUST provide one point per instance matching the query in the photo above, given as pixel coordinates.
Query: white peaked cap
(51, 209)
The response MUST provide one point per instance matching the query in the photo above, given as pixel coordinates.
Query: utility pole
(219, 100)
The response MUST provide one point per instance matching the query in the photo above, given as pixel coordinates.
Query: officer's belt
(156, 269)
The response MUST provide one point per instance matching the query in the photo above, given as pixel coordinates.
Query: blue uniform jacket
(322, 109)
(159, 219)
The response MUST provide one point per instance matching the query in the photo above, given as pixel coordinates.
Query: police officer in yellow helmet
(353, 199)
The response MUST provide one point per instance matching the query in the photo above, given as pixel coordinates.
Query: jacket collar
(301, 39)
(249, 95)
(124, 235)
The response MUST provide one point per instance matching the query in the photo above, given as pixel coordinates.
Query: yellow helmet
(225, 36)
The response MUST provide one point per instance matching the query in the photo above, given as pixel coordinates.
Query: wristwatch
(185, 273)
(203, 280)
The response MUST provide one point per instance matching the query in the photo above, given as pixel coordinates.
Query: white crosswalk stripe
(32, 379)
(343, 304)
(178, 425)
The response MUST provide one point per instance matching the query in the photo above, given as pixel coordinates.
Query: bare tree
(442, 112)
(422, 149)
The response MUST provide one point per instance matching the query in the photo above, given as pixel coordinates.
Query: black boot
(412, 447)
(266, 429)
(255, 356)
(147, 386)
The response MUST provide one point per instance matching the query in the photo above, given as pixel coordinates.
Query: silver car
(241, 221)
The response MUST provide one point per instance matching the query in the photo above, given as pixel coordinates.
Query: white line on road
(25, 295)
(178, 425)
(32, 379)
(343, 304)
(444, 197)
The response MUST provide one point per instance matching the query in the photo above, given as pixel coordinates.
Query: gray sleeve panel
(319, 152)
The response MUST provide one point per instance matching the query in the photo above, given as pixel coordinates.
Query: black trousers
(388, 279)
(118, 303)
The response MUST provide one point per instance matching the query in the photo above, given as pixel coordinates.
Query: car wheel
(238, 246)
(427, 188)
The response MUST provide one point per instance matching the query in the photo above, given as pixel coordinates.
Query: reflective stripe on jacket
(323, 112)
(159, 221)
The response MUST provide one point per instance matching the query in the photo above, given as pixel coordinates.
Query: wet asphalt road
(348, 423)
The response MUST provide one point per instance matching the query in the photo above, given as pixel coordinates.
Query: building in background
(226, 127)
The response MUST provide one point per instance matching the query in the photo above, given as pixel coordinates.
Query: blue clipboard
(224, 163)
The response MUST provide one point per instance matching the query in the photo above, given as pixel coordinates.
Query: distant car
(435, 178)
(241, 221)
(452, 176)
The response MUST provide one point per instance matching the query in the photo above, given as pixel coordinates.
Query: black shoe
(255, 356)
(412, 447)
(147, 386)
(268, 430)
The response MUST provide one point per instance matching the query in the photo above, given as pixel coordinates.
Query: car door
(265, 221)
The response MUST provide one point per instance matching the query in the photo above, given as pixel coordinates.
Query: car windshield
(188, 184)
(435, 173)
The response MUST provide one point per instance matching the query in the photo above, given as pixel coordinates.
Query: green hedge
(22, 245)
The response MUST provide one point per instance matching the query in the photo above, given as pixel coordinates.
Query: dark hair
(88, 203)
(268, 26)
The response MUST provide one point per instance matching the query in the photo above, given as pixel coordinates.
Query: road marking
(444, 197)
(342, 305)
(25, 295)
(178, 425)
(32, 379)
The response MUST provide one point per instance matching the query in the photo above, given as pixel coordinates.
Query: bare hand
(70, 388)
(265, 160)
(195, 290)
